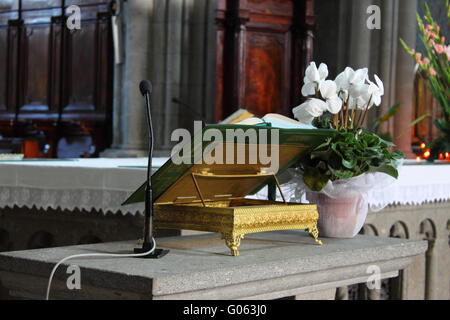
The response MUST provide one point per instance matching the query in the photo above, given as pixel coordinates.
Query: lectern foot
(233, 242)
(314, 232)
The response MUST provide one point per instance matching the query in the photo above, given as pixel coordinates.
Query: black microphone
(146, 89)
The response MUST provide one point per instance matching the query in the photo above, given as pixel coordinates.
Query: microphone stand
(148, 222)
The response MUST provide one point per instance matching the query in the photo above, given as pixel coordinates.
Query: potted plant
(339, 174)
(434, 65)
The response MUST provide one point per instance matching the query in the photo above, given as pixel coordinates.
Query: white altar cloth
(103, 184)
(418, 183)
(100, 184)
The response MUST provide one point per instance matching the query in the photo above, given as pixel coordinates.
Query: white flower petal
(357, 90)
(327, 89)
(376, 100)
(349, 72)
(361, 102)
(307, 111)
(343, 79)
(308, 89)
(323, 71)
(379, 84)
(317, 107)
(372, 88)
(312, 73)
(360, 76)
(334, 104)
(302, 114)
(351, 103)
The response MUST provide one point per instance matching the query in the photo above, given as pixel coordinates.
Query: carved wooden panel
(263, 47)
(37, 65)
(55, 78)
(9, 43)
(88, 57)
(264, 64)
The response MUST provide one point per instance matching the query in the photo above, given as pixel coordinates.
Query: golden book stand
(211, 196)
(234, 217)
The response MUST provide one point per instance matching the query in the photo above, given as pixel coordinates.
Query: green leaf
(348, 154)
(349, 163)
(424, 116)
(443, 126)
(389, 114)
(314, 179)
(342, 173)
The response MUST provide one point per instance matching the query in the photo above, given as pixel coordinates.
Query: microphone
(145, 87)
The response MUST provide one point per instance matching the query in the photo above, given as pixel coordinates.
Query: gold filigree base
(236, 218)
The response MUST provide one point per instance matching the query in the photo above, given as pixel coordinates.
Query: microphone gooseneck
(145, 87)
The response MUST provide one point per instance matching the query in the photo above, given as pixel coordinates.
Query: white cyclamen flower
(307, 111)
(313, 77)
(349, 78)
(334, 104)
(376, 91)
(328, 90)
(370, 94)
(358, 103)
(358, 96)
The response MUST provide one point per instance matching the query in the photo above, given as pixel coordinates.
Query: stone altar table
(271, 265)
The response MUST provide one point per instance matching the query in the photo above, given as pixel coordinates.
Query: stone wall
(23, 228)
(428, 277)
(171, 43)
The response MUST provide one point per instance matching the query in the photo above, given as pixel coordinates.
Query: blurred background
(73, 92)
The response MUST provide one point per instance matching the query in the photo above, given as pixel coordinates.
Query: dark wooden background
(56, 90)
(262, 49)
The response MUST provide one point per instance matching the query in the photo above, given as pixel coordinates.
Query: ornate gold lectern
(212, 197)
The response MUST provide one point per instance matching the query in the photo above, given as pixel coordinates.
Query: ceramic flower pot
(339, 218)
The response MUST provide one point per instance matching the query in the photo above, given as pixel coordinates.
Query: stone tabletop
(271, 264)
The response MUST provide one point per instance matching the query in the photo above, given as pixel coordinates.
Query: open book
(237, 116)
(277, 121)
